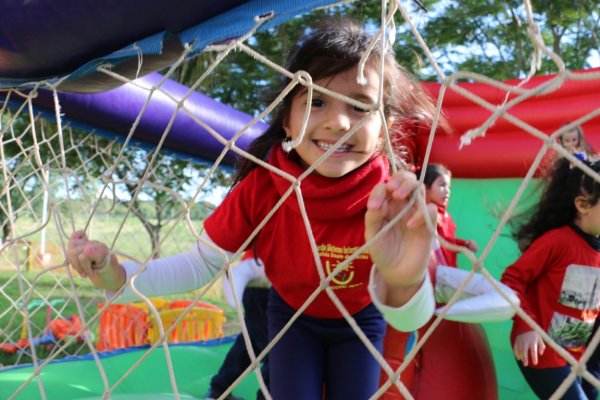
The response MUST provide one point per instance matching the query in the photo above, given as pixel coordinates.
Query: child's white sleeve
(480, 301)
(412, 315)
(178, 273)
(243, 273)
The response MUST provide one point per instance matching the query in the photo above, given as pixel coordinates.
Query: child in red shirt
(437, 182)
(320, 184)
(556, 278)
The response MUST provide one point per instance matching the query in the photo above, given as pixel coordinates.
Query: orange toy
(131, 325)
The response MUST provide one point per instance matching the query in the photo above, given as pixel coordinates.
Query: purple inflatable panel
(116, 110)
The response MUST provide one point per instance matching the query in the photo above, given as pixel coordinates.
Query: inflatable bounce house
(92, 68)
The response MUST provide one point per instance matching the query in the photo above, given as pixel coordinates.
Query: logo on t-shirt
(332, 256)
(579, 291)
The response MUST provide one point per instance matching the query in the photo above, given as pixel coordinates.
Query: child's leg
(545, 381)
(234, 364)
(256, 301)
(593, 366)
(296, 361)
(352, 371)
(236, 361)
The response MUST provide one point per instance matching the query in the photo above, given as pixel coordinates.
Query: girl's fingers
(534, 354)
(74, 262)
(376, 208)
(85, 266)
(377, 197)
(541, 347)
(418, 218)
(521, 354)
(78, 235)
(97, 254)
(74, 249)
(402, 184)
(525, 357)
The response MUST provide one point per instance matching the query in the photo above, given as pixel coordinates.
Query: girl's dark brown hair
(432, 172)
(336, 46)
(556, 206)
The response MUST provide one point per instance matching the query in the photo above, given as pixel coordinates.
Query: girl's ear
(582, 205)
(390, 122)
(286, 126)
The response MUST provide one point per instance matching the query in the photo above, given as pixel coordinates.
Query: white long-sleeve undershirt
(199, 265)
(178, 273)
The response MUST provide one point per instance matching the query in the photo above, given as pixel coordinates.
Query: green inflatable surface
(80, 379)
(473, 206)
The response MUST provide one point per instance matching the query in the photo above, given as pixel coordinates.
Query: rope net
(57, 178)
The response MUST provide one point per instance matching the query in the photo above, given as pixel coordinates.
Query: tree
(484, 36)
(490, 37)
(165, 176)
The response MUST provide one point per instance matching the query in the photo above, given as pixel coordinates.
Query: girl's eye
(359, 109)
(317, 103)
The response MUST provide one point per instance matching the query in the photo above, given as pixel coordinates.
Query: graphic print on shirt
(579, 291)
(334, 255)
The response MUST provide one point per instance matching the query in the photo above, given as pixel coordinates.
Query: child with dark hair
(336, 147)
(437, 183)
(556, 278)
(458, 348)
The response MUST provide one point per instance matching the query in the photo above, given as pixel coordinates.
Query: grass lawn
(51, 295)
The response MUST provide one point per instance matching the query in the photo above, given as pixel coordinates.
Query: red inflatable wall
(506, 150)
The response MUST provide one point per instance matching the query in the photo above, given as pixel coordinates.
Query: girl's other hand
(528, 345)
(94, 260)
(402, 254)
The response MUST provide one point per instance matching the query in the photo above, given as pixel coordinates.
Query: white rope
(58, 153)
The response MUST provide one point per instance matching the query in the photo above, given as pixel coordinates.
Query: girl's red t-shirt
(335, 209)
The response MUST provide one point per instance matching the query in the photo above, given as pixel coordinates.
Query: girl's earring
(287, 144)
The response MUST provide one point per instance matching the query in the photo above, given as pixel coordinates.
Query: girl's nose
(337, 120)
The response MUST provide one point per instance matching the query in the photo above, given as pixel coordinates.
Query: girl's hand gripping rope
(95, 261)
(402, 254)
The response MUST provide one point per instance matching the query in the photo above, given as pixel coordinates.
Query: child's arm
(174, 274)
(469, 244)
(246, 271)
(400, 255)
(479, 302)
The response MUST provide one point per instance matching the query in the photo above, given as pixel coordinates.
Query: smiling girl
(348, 192)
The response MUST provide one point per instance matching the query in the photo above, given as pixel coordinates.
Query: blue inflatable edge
(111, 353)
(233, 23)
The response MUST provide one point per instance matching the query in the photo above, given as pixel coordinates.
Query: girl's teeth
(327, 146)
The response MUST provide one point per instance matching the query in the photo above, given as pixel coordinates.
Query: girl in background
(574, 141)
(557, 278)
(458, 348)
(437, 183)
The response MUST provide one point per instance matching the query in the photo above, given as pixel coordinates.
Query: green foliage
(489, 37)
